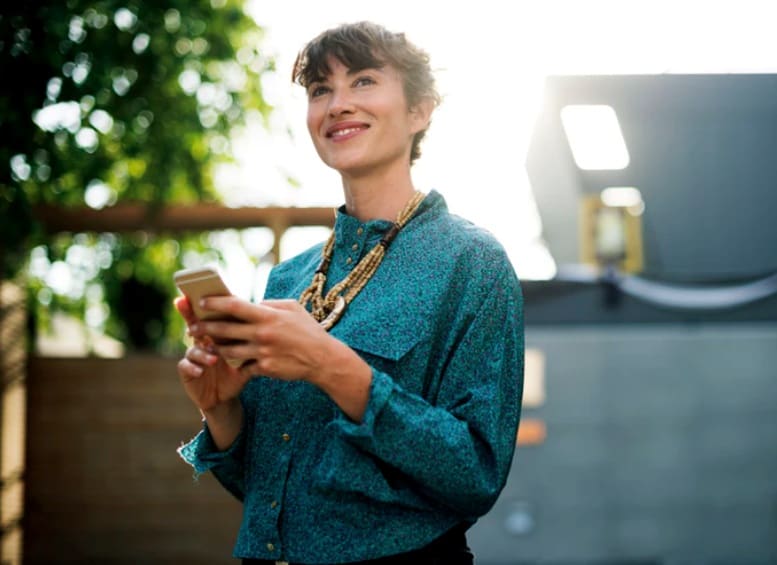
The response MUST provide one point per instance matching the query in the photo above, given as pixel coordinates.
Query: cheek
(313, 121)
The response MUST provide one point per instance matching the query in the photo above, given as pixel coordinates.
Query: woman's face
(359, 121)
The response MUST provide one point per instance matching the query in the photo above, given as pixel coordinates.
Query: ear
(421, 114)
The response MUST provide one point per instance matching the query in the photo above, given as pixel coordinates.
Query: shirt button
(270, 547)
(286, 437)
(360, 231)
(274, 504)
(355, 246)
(348, 261)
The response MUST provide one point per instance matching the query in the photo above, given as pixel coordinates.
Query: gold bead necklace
(327, 310)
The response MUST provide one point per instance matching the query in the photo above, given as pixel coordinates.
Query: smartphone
(198, 283)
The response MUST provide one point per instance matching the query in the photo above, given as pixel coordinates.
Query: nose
(340, 102)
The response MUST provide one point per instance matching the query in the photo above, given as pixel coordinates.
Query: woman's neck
(377, 198)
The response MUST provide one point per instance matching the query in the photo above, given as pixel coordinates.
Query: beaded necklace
(327, 310)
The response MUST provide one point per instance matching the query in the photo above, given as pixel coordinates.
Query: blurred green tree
(106, 101)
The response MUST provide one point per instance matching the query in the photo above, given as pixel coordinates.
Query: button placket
(275, 504)
(355, 247)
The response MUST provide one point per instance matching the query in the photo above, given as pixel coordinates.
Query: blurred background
(622, 152)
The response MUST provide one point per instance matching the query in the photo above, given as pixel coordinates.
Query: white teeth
(346, 131)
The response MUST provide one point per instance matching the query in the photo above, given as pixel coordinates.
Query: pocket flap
(387, 328)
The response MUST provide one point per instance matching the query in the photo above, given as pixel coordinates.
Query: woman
(391, 357)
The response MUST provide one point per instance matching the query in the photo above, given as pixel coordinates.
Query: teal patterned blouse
(441, 325)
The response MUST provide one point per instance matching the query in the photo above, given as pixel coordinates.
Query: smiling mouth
(345, 132)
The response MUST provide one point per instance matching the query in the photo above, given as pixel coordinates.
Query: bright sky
(490, 58)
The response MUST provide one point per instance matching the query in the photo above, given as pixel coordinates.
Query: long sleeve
(227, 466)
(457, 451)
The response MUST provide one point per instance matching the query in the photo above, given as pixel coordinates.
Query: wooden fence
(104, 482)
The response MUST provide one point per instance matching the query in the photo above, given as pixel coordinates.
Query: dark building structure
(661, 385)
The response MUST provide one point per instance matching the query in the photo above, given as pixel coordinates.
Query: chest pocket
(389, 339)
(393, 354)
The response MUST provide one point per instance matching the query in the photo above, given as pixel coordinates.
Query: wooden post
(13, 405)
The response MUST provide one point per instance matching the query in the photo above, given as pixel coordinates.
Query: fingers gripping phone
(198, 283)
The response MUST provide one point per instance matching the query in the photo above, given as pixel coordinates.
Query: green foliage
(107, 101)
(120, 286)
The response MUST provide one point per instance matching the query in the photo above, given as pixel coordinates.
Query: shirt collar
(348, 228)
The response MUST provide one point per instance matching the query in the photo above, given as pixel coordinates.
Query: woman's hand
(276, 338)
(207, 379)
(280, 339)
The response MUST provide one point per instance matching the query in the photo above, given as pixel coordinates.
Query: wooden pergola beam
(128, 217)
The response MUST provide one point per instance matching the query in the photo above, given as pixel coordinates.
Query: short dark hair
(366, 45)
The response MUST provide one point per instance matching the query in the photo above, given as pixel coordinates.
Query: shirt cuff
(381, 388)
(202, 454)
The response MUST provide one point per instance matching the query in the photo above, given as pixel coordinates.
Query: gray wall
(661, 448)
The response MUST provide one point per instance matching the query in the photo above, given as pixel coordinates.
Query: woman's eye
(363, 81)
(318, 91)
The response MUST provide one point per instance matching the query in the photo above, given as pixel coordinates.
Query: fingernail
(193, 328)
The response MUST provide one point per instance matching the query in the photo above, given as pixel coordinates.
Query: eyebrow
(361, 70)
(350, 72)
